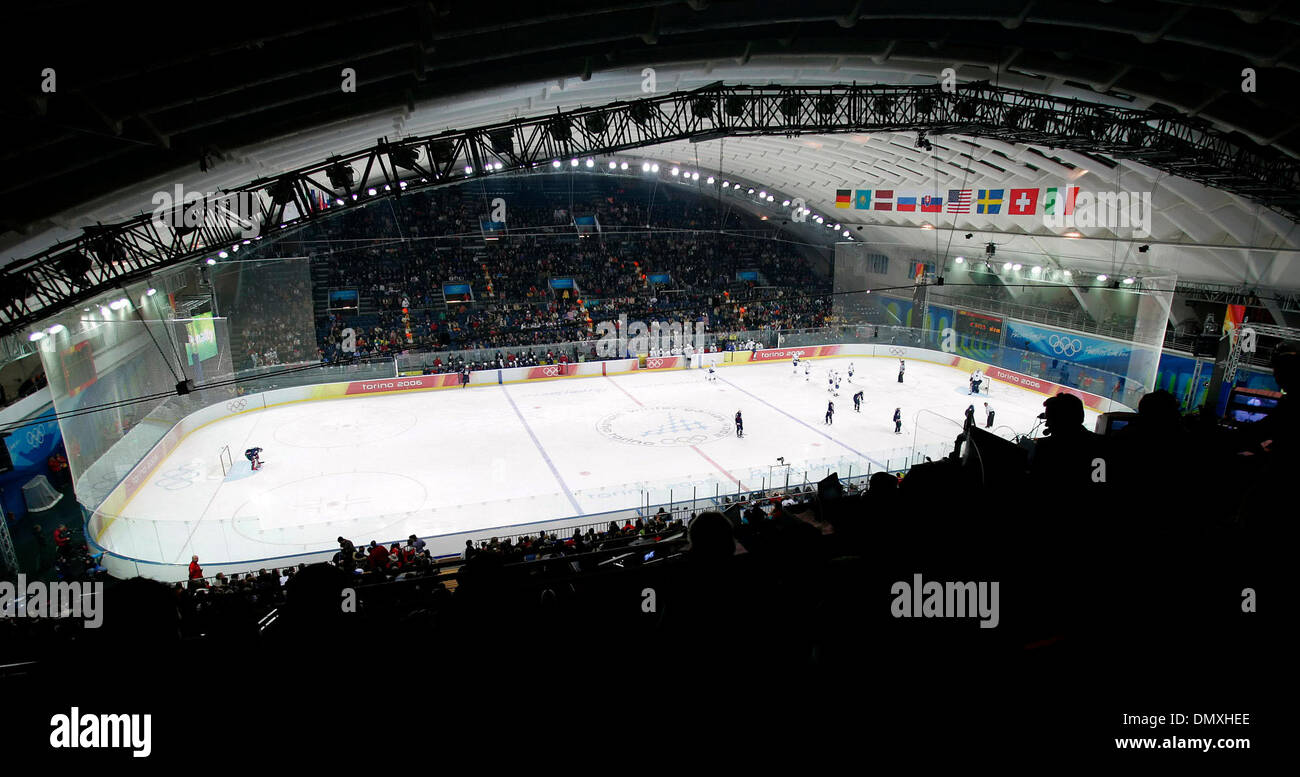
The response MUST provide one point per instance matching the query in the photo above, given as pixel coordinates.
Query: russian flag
(907, 203)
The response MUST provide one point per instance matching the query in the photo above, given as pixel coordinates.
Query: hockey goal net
(227, 463)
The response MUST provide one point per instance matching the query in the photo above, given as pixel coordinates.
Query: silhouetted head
(1159, 409)
(1286, 365)
(1063, 412)
(711, 537)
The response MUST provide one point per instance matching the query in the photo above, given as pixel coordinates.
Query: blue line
(804, 423)
(542, 451)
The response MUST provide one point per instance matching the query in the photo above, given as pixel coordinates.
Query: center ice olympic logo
(1066, 346)
(236, 405)
(665, 427)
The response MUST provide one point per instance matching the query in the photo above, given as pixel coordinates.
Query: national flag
(842, 198)
(1060, 202)
(990, 201)
(1023, 202)
(959, 200)
(907, 203)
(863, 199)
(884, 199)
(931, 204)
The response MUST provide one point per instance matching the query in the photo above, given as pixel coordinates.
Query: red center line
(704, 455)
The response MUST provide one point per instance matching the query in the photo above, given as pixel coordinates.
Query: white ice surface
(453, 460)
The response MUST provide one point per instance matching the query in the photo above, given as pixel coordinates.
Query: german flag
(843, 197)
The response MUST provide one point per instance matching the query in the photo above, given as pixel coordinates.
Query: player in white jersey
(850, 372)
(807, 371)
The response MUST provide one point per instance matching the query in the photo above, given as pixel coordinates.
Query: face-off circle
(665, 427)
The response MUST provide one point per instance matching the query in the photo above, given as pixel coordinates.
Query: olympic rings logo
(176, 479)
(551, 372)
(1066, 346)
(653, 364)
(36, 436)
(897, 352)
(236, 405)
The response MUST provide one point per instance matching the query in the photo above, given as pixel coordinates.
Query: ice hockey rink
(494, 457)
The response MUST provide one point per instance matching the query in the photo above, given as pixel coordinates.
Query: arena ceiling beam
(105, 257)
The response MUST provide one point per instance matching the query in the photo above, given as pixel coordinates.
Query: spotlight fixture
(960, 259)
(1006, 266)
(34, 336)
(785, 203)
(674, 172)
(555, 163)
(710, 180)
(573, 163)
(591, 162)
(211, 261)
(622, 166)
(645, 167)
(1016, 267)
(1128, 281)
(654, 168)
(1102, 277)
(612, 164)
(151, 292)
(1066, 273)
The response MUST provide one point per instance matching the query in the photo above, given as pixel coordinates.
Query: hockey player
(902, 365)
(975, 380)
(837, 384)
(850, 372)
(254, 456)
(830, 412)
(857, 402)
(807, 371)
(898, 420)
(713, 375)
(988, 416)
(740, 425)
(794, 359)
(830, 382)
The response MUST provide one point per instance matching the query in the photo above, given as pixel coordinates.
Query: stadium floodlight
(645, 167)
(211, 261)
(1066, 273)
(235, 247)
(785, 203)
(770, 198)
(573, 163)
(151, 292)
(555, 163)
(223, 254)
(1102, 277)
(710, 180)
(960, 259)
(1128, 281)
(371, 191)
(695, 176)
(1006, 266)
(118, 304)
(103, 311)
(622, 166)
(338, 202)
(55, 329)
(591, 162)
(837, 226)
(612, 164)
(846, 233)
(1037, 270)
(498, 166)
(34, 336)
(674, 172)
(751, 191)
(726, 184)
(761, 195)
(654, 168)
(1016, 267)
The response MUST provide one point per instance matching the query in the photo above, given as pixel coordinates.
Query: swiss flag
(1023, 202)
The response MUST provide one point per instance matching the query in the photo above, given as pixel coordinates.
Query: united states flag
(959, 200)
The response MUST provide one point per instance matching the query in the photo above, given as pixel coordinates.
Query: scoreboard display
(978, 326)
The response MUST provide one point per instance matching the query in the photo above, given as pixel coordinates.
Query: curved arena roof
(213, 106)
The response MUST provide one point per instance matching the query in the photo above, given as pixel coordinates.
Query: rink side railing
(141, 546)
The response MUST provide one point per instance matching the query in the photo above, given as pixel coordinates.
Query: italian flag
(1060, 202)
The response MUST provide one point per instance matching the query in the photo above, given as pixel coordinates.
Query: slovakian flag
(1060, 202)
(990, 201)
(1023, 202)
(884, 199)
(842, 198)
(959, 200)
(907, 202)
(862, 200)
(931, 204)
